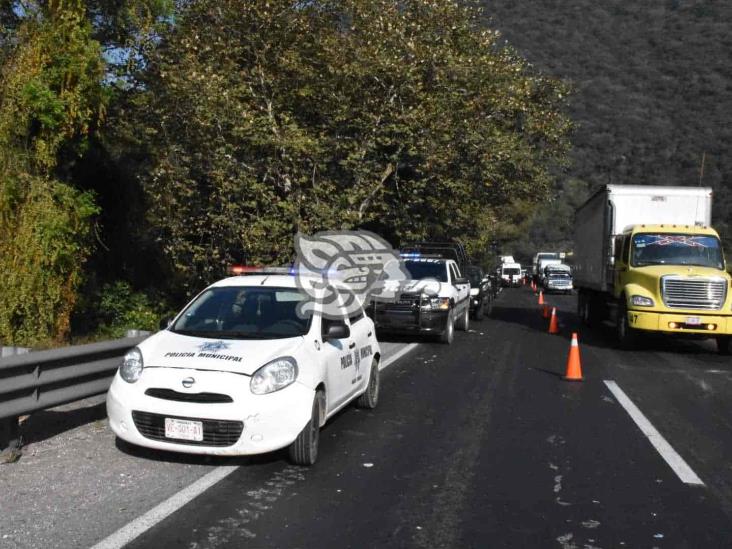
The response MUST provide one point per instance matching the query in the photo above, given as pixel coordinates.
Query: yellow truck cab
(662, 272)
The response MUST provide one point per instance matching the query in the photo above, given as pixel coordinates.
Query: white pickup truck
(435, 299)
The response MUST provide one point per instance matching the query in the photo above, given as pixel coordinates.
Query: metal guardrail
(44, 379)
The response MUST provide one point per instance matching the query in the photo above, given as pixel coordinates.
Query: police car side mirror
(337, 330)
(166, 322)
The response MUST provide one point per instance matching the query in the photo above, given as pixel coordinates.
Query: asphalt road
(482, 444)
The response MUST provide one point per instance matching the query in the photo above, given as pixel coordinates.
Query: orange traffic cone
(541, 298)
(574, 368)
(553, 324)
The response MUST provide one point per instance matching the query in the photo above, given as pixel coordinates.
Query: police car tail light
(132, 365)
(274, 376)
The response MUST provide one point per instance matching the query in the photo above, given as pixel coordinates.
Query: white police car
(251, 365)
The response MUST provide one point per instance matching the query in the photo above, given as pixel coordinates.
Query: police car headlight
(132, 366)
(440, 303)
(641, 301)
(274, 376)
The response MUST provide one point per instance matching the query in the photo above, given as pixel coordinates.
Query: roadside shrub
(120, 308)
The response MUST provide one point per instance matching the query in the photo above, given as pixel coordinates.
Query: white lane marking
(675, 461)
(142, 524)
(157, 514)
(396, 356)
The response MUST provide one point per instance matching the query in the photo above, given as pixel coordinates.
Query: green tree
(261, 119)
(51, 97)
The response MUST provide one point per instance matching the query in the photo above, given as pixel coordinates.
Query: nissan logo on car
(188, 382)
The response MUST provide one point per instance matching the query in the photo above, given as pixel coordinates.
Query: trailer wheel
(583, 308)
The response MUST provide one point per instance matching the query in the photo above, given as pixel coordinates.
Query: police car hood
(243, 356)
(391, 290)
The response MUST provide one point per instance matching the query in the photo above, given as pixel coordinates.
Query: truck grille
(693, 293)
(216, 432)
(405, 302)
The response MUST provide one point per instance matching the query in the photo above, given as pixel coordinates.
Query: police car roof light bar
(286, 271)
(455, 250)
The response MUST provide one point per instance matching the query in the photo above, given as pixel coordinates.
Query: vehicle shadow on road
(47, 424)
(196, 459)
(386, 337)
(601, 336)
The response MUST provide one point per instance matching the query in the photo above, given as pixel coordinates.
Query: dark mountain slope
(652, 85)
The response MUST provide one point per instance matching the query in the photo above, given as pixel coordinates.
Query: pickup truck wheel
(724, 345)
(627, 336)
(464, 323)
(480, 310)
(304, 451)
(449, 332)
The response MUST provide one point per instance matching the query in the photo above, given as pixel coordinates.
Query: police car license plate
(183, 429)
(693, 320)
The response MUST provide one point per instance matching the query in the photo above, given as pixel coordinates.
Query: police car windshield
(426, 268)
(249, 312)
(676, 249)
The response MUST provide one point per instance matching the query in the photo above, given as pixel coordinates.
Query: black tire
(627, 336)
(370, 398)
(724, 345)
(479, 310)
(464, 322)
(304, 451)
(448, 333)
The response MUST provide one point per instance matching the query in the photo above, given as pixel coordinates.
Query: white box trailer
(614, 208)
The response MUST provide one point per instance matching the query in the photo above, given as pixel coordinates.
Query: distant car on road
(251, 365)
(511, 274)
(481, 293)
(558, 281)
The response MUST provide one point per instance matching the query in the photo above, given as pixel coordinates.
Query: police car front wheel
(304, 451)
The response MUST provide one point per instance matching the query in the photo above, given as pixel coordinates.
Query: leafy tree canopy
(260, 119)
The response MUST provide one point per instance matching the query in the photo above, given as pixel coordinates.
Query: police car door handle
(370, 334)
(352, 345)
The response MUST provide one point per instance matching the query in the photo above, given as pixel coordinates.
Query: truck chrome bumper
(393, 321)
